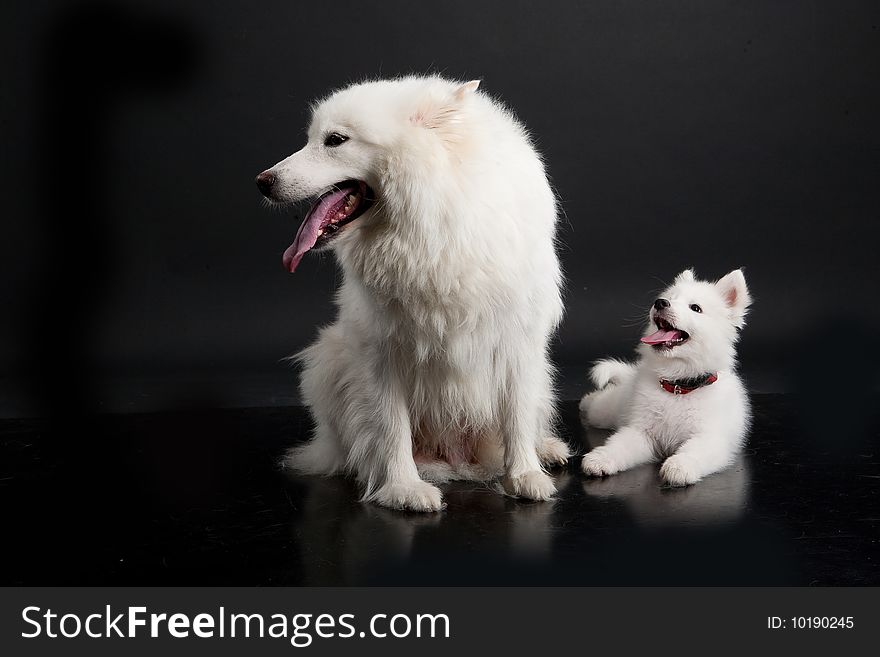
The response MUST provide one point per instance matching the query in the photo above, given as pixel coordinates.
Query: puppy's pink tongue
(661, 336)
(307, 235)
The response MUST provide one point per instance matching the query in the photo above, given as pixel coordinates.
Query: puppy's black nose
(265, 181)
(660, 304)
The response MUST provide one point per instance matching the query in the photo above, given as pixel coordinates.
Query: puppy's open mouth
(666, 336)
(330, 212)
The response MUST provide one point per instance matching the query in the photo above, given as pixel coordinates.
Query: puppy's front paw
(679, 470)
(553, 451)
(415, 496)
(598, 464)
(533, 485)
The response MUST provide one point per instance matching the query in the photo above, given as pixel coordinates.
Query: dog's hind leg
(524, 424)
(362, 424)
(320, 385)
(553, 451)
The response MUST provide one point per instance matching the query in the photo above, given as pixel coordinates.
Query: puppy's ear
(736, 295)
(687, 276)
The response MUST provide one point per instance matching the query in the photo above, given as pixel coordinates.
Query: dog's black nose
(660, 304)
(265, 181)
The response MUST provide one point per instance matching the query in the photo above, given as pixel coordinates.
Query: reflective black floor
(195, 497)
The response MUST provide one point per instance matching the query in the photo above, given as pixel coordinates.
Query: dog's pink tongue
(661, 336)
(307, 235)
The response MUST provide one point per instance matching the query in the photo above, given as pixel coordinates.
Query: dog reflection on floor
(720, 498)
(344, 542)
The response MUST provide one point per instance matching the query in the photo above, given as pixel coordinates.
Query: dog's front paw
(533, 485)
(598, 464)
(679, 470)
(415, 496)
(552, 451)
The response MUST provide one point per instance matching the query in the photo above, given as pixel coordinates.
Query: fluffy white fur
(450, 293)
(698, 433)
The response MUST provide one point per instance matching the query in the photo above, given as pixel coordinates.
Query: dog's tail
(319, 456)
(610, 371)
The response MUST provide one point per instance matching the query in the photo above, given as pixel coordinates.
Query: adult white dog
(439, 211)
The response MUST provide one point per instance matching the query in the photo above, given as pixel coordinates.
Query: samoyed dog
(683, 400)
(438, 209)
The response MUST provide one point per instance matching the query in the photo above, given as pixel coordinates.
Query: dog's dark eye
(696, 308)
(334, 139)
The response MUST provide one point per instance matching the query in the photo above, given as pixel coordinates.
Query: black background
(712, 134)
(141, 272)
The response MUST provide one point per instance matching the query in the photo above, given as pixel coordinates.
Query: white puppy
(683, 401)
(440, 214)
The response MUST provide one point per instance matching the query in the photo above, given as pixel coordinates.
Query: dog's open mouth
(330, 212)
(666, 336)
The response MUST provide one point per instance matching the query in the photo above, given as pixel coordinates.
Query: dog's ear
(736, 295)
(687, 276)
(466, 89)
(439, 110)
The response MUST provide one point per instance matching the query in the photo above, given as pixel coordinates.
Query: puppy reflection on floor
(721, 498)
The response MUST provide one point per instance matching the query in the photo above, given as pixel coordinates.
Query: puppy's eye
(334, 139)
(696, 308)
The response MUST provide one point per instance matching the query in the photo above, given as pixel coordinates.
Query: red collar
(685, 386)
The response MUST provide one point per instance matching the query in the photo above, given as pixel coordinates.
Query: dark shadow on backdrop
(94, 56)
